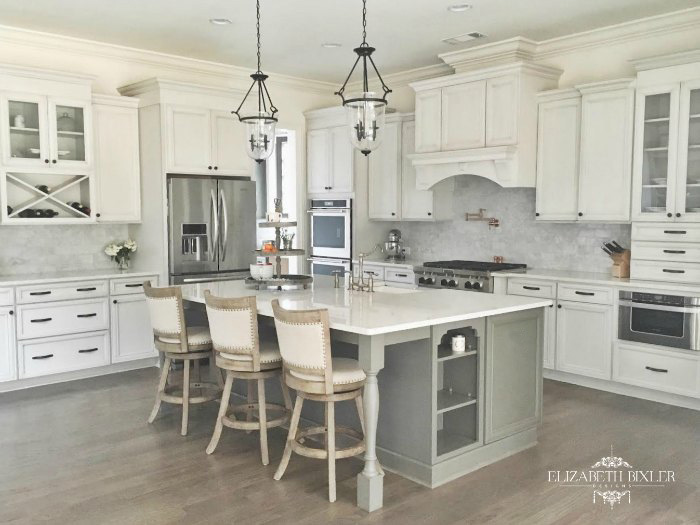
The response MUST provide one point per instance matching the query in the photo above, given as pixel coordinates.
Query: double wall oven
(657, 319)
(331, 235)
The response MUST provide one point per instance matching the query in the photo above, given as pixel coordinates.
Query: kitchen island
(444, 413)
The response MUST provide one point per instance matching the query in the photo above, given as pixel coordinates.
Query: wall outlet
(406, 250)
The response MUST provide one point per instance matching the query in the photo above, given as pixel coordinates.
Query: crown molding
(91, 48)
(674, 59)
(517, 49)
(45, 74)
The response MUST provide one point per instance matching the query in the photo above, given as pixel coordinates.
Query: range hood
(499, 164)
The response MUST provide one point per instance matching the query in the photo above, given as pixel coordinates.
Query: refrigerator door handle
(224, 217)
(214, 227)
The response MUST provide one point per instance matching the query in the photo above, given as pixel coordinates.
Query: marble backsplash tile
(34, 249)
(574, 246)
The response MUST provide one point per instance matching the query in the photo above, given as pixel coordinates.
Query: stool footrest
(320, 453)
(173, 394)
(230, 421)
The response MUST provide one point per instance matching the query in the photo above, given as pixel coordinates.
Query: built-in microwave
(658, 319)
(331, 228)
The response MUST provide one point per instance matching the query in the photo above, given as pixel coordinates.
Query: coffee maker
(393, 247)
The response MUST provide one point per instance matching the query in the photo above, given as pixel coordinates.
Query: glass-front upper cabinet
(655, 153)
(47, 132)
(25, 134)
(688, 187)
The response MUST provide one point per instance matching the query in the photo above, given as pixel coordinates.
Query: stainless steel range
(472, 276)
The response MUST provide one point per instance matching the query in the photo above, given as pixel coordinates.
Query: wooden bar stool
(305, 345)
(234, 330)
(178, 342)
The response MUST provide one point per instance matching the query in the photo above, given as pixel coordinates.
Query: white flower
(130, 245)
(112, 250)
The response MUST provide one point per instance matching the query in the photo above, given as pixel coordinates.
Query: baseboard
(623, 389)
(20, 384)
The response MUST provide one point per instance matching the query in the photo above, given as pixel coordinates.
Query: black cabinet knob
(54, 161)
(678, 214)
(551, 306)
(12, 312)
(558, 306)
(393, 213)
(537, 214)
(669, 215)
(216, 167)
(429, 214)
(209, 167)
(115, 301)
(98, 215)
(46, 160)
(580, 214)
(330, 187)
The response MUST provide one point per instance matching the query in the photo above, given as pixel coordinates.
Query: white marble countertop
(604, 279)
(82, 275)
(386, 310)
(404, 263)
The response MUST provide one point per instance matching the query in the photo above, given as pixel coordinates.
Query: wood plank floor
(82, 452)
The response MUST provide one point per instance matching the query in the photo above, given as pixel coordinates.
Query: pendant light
(260, 125)
(365, 109)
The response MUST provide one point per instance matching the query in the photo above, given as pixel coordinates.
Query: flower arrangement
(121, 252)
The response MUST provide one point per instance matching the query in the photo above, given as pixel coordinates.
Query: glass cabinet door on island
(688, 186)
(25, 134)
(655, 158)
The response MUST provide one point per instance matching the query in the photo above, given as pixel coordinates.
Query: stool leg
(330, 447)
(185, 396)
(225, 397)
(293, 425)
(213, 369)
(161, 388)
(262, 415)
(251, 400)
(285, 393)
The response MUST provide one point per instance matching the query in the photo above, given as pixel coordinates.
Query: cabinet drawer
(665, 271)
(374, 270)
(671, 232)
(48, 319)
(41, 293)
(130, 285)
(63, 354)
(399, 276)
(657, 369)
(666, 251)
(585, 293)
(7, 296)
(545, 289)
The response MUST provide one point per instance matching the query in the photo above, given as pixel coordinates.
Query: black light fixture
(366, 109)
(260, 126)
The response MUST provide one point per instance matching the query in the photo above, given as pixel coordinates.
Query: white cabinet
(688, 178)
(415, 204)
(584, 152)
(42, 132)
(329, 161)
(117, 169)
(228, 144)
(584, 339)
(428, 120)
(8, 350)
(502, 95)
(131, 334)
(384, 184)
(559, 124)
(188, 139)
(605, 166)
(463, 116)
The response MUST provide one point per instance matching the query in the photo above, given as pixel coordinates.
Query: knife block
(621, 264)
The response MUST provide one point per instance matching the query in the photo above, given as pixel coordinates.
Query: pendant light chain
(257, 26)
(364, 22)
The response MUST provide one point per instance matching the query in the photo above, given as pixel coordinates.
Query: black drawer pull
(652, 369)
(39, 293)
(133, 285)
(401, 275)
(673, 271)
(88, 350)
(681, 252)
(584, 293)
(531, 287)
(92, 289)
(42, 356)
(44, 320)
(676, 232)
(82, 316)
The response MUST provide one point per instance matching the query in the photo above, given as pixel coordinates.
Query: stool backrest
(166, 312)
(304, 339)
(233, 324)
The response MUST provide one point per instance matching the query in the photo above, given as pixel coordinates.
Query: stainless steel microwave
(658, 319)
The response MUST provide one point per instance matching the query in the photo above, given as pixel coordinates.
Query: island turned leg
(370, 482)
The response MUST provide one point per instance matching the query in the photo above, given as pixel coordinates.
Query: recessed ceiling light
(219, 21)
(331, 45)
(459, 8)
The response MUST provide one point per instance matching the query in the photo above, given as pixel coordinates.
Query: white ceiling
(406, 33)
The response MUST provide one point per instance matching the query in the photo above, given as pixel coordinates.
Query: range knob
(443, 282)
(476, 286)
(429, 280)
(421, 280)
(452, 283)
(467, 285)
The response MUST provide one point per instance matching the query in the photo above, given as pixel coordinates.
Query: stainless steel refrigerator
(211, 227)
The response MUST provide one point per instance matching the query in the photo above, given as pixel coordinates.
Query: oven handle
(663, 308)
(335, 211)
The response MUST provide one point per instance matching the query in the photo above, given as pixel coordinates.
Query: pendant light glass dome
(261, 124)
(366, 110)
